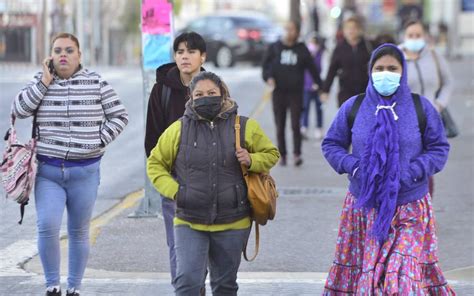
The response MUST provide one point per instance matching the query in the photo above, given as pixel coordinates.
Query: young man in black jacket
(166, 105)
(284, 65)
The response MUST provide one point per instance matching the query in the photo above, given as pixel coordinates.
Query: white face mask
(414, 45)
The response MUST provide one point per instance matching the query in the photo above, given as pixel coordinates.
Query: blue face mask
(386, 83)
(414, 45)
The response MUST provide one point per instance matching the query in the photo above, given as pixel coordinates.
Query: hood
(403, 92)
(169, 75)
(228, 108)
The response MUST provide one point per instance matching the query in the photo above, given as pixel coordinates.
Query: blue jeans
(222, 250)
(309, 96)
(73, 188)
(168, 208)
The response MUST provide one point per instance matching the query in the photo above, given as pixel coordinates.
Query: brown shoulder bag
(261, 193)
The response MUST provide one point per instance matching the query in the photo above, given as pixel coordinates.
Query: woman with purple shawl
(387, 243)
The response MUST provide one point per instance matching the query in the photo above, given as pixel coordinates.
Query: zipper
(212, 124)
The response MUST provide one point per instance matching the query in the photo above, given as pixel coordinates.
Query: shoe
(298, 161)
(318, 134)
(283, 160)
(72, 292)
(53, 291)
(304, 133)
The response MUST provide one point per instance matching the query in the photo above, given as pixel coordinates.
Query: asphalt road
(301, 239)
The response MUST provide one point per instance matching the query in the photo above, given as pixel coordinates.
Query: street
(129, 256)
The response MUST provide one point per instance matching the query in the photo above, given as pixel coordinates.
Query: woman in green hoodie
(196, 163)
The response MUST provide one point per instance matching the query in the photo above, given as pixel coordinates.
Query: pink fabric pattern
(406, 263)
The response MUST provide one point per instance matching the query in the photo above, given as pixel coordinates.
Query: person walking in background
(316, 48)
(77, 115)
(284, 65)
(166, 105)
(212, 220)
(348, 61)
(387, 242)
(428, 72)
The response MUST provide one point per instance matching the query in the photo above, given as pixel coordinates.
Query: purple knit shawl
(380, 163)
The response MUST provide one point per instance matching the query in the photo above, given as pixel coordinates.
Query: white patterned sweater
(75, 118)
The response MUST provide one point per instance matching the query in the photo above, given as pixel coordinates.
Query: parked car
(232, 37)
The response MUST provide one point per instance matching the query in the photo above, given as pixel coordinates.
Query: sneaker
(304, 133)
(318, 134)
(298, 161)
(72, 292)
(53, 291)
(283, 160)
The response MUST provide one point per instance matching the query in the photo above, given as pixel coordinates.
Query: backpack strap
(165, 100)
(420, 113)
(354, 109)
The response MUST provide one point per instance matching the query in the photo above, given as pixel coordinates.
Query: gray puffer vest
(212, 189)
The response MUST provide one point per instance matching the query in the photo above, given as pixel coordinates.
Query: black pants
(282, 101)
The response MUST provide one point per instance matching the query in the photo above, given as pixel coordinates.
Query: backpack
(420, 113)
(18, 168)
(261, 193)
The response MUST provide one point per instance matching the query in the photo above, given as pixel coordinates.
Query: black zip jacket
(351, 65)
(157, 119)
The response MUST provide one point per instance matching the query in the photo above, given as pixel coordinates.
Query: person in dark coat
(284, 66)
(349, 61)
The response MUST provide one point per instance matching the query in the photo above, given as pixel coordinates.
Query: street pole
(295, 15)
(154, 32)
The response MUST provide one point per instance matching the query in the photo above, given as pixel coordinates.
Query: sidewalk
(129, 256)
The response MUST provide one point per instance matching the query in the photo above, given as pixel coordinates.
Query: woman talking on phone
(77, 115)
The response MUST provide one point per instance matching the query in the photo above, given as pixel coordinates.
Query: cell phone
(51, 67)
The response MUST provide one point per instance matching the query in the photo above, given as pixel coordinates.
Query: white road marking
(14, 255)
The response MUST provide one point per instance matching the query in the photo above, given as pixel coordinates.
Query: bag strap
(354, 109)
(420, 114)
(244, 171)
(238, 146)
(257, 244)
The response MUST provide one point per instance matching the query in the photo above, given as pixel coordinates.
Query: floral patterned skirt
(406, 263)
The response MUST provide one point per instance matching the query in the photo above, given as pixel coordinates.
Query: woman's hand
(243, 156)
(47, 76)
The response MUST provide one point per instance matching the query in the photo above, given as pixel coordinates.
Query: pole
(153, 32)
(295, 15)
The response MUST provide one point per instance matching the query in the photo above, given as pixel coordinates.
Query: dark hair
(204, 75)
(412, 22)
(296, 24)
(65, 35)
(386, 50)
(354, 19)
(192, 40)
(384, 38)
